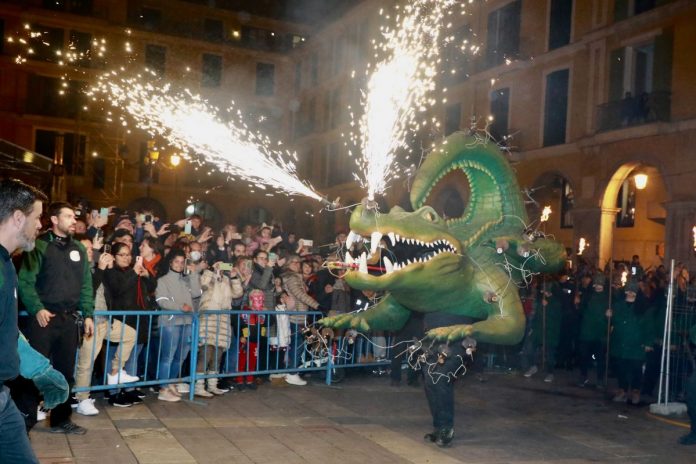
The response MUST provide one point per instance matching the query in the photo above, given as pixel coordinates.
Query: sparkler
(398, 90)
(582, 244)
(545, 214)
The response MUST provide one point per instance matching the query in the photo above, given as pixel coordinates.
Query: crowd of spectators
(139, 262)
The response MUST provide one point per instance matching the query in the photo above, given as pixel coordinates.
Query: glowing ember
(187, 122)
(398, 89)
(694, 233)
(582, 244)
(546, 213)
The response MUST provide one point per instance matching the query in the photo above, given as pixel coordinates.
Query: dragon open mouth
(396, 252)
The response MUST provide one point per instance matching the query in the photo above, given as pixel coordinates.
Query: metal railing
(634, 111)
(318, 350)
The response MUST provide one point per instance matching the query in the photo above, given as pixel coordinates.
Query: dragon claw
(346, 321)
(451, 333)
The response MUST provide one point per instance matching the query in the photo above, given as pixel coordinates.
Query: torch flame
(545, 213)
(582, 244)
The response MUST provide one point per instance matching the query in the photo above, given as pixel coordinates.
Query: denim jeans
(175, 344)
(297, 346)
(14, 441)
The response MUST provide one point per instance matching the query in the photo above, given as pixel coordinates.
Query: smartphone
(272, 257)
(307, 243)
(633, 270)
(236, 236)
(148, 218)
(187, 227)
(226, 266)
(107, 248)
(104, 212)
(187, 262)
(139, 261)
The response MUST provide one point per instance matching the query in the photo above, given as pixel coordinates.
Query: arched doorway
(633, 216)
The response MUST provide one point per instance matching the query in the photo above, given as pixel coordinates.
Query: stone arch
(646, 237)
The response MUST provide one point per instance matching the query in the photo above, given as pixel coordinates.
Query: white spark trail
(398, 89)
(187, 122)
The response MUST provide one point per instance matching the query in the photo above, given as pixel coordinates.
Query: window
(453, 117)
(50, 96)
(458, 56)
(556, 108)
(73, 149)
(156, 58)
(500, 110)
(212, 70)
(265, 79)
(81, 43)
(51, 36)
(306, 117)
(83, 7)
(150, 18)
(626, 202)
(560, 22)
(263, 39)
(213, 30)
(626, 8)
(314, 60)
(298, 77)
(567, 205)
(98, 173)
(503, 40)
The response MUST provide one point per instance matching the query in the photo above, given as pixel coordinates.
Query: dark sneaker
(431, 437)
(689, 439)
(141, 394)
(120, 400)
(240, 387)
(133, 397)
(444, 437)
(251, 386)
(69, 428)
(73, 402)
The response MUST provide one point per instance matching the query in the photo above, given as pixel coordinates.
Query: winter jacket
(262, 279)
(631, 331)
(174, 290)
(56, 276)
(593, 325)
(293, 284)
(554, 314)
(215, 329)
(125, 290)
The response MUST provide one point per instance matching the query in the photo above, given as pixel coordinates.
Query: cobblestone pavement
(506, 419)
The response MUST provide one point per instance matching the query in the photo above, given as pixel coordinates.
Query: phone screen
(633, 270)
(104, 212)
(107, 248)
(187, 227)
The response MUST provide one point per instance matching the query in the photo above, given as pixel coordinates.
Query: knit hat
(632, 286)
(599, 279)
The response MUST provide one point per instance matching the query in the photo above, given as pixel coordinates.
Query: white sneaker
(183, 387)
(295, 379)
(548, 378)
(166, 395)
(121, 377)
(86, 408)
(277, 376)
(531, 371)
(41, 414)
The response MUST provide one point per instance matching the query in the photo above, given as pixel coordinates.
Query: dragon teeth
(388, 266)
(362, 263)
(374, 241)
(349, 259)
(352, 238)
(392, 238)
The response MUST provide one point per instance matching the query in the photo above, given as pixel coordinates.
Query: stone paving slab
(506, 420)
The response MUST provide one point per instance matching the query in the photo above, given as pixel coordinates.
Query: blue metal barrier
(315, 351)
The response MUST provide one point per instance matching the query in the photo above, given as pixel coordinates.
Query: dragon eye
(430, 216)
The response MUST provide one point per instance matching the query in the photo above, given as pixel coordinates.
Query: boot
(200, 389)
(213, 387)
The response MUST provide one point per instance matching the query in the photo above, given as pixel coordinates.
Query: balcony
(634, 111)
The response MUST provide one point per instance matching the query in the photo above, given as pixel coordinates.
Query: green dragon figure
(467, 266)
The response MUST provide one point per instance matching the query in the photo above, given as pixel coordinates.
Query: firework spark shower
(187, 122)
(399, 89)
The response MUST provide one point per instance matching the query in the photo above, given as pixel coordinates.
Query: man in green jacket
(55, 285)
(592, 341)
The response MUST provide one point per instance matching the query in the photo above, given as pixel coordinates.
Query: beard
(27, 240)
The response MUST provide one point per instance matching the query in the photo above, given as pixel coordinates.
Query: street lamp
(641, 180)
(175, 160)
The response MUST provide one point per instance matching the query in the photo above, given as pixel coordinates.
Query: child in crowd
(252, 329)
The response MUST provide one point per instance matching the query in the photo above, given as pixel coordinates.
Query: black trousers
(438, 380)
(58, 342)
(691, 400)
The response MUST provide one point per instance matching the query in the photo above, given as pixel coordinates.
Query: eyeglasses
(124, 255)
